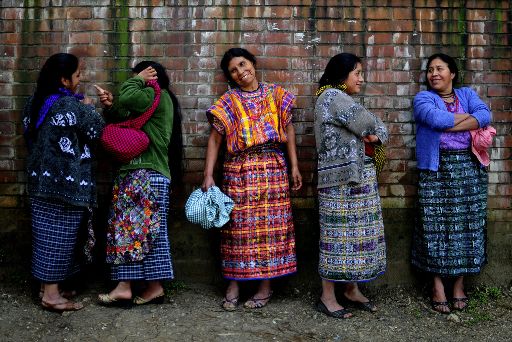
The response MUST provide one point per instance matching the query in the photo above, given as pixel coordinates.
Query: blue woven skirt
(450, 235)
(352, 244)
(157, 264)
(55, 227)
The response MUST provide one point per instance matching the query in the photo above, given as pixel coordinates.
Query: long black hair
(338, 68)
(452, 66)
(175, 148)
(58, 66)
(228, 56)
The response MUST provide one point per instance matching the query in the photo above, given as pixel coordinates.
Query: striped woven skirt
(157, 263)
(55, 228)
(352, 245)
(450, 234)
(259, 240)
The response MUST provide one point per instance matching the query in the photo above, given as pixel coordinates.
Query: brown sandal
(229, 304)
(257, 303)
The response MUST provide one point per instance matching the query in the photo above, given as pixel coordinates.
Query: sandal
(61, 307)
(105, 300)
(363, 306)
(341, 314)
(463, 300)
(155, 300)
(257, 303)
(229, 304)
(437, 306)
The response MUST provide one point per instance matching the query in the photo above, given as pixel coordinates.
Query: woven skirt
(450, 235)
(157, 263)
(55, 228)
(259, 240)
(352, 245)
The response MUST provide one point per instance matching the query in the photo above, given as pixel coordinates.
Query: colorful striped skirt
(156, 263)
(259, 240)
(450, 234)
(352, 245)
(55, 228)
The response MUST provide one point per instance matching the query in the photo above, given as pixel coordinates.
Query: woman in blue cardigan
(450, 234)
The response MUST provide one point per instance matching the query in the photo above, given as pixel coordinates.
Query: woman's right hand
(148, 74)
(208, 182)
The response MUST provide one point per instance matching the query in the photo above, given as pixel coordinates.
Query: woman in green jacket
(137, 241)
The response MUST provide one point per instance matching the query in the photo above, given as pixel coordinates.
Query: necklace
(447, 96)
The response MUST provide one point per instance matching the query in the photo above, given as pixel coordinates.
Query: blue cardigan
(432, 118)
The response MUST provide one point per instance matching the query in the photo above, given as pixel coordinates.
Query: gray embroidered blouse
(59, 163)
(340, 125)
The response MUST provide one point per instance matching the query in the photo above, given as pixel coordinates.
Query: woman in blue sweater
(450, 234)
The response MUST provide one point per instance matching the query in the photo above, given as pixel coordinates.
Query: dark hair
(338, 68)
(228, 56)
(452, 65)
(48, 82)
(176, 143)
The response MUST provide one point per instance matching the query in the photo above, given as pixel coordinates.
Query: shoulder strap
(139, 121)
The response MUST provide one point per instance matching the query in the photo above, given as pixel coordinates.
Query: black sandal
(437, 305)
(341, 314)
(464, 300)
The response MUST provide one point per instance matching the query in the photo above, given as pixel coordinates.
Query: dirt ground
(192, 313)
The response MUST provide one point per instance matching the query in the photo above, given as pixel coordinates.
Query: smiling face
(354, 80)
(242, 72)
(439, 76)
(72, 84)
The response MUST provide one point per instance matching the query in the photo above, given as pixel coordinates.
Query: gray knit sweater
(340, 125)
(60, 160)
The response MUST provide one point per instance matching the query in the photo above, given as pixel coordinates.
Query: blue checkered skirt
(450, 233)
(157, 264)
(352, 244)
(55, 227)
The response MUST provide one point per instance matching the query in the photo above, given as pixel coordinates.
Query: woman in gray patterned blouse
(352, 246)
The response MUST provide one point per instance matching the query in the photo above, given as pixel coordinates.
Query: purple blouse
(455, 140)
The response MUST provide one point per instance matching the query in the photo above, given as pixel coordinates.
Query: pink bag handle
(139, 121)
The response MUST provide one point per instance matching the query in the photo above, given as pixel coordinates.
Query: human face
(354, 80)
(242, 72)
(72, 84)
(439, 76)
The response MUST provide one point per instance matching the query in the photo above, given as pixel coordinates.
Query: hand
(148, 74)
(296, 179)
(106, 97)
(371, 138)
(208, 182)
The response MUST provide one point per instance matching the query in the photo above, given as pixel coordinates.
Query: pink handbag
(125, 140)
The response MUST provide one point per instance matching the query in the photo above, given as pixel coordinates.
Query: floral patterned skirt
(134, 218)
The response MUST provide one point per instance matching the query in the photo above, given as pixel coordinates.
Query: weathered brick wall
(293, 41)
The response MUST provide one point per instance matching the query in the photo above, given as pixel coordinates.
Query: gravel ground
(193, 313)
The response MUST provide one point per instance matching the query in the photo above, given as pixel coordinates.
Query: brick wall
(293, 41)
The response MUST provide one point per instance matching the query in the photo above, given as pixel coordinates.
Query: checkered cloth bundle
(210, 208)
(125, 140)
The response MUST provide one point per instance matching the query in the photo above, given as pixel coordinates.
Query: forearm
(212, 152)
(291, 146)
(463, 122)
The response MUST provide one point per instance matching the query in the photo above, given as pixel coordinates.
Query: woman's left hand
(148, 74)
(371, 138)
(296, 179)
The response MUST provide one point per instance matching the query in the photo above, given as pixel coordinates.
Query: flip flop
(463, 300)
(61, 307)
(229, 304)
(105, 300)
(257, 303)
(437, 305)
(155, 300)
